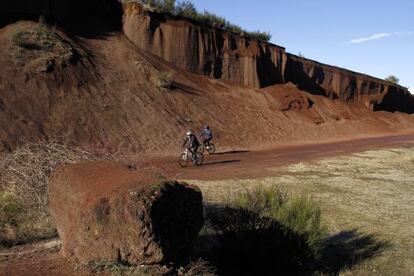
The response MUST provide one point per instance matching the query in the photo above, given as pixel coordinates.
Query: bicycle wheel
(201, 148)
(211, 148)
(184, 160)
(200, 159)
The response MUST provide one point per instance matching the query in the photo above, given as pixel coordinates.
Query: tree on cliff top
(393, 79)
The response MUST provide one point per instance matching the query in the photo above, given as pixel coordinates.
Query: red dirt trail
(252, 164)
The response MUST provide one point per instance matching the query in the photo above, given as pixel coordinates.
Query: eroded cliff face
(335, 82)
(204, 50)
(339, 83)
(224, 55)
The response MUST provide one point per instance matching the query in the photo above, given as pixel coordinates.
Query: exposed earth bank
(225, 55)
(103, 93)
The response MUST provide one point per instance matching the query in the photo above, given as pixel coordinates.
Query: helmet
(206, 126)
(189, 133)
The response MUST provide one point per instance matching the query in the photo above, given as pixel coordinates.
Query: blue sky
(375, 37)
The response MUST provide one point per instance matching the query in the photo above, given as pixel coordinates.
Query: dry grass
(367, 198)
(199, 267)
(163, 81)
(38, 48)
(102, 267)
(24, 176)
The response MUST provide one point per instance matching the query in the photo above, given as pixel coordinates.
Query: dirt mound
(109, 99)
(106, 211)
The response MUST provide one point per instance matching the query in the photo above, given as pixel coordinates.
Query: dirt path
(253, 164)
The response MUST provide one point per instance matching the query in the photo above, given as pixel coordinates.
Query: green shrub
(187, 9)
(10, 209)
(41, 38)
(299, 214)
(23, 40)
(261, 201)
(11, 213)
(266, 231)
(258, 35)
(393, 79)
(303, 216)
(163, 81)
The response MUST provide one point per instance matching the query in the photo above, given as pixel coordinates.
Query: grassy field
(367, 201)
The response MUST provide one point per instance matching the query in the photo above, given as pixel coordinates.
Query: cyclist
(192, 144)
(206, 135)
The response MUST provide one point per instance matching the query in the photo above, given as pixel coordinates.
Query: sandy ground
(367, 201)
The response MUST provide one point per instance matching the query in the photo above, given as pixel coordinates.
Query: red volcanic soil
(105, 95)
(243, 164)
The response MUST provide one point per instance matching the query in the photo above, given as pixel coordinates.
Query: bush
(11, 212)
(163, 81)
(186, 9)
(303, 216)
(24, 177)
(23, 40)
(40, 38)
(265, 231)
(300, 214)
(261, 201)
(393, 79)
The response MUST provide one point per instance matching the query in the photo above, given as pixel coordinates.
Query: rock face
(225, 55)
(105, 211)
(335, 82)
(204, 50)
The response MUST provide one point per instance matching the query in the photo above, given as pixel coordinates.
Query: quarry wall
(224, 55)
(217, 53)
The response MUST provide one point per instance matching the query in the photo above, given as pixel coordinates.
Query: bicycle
(186, 157)
(210, 147)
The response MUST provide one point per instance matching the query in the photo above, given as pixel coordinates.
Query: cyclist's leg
(193, 154)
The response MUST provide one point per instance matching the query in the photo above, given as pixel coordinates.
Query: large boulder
(107, 211)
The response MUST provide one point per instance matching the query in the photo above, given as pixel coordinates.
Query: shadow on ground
(348, 248)
(239, 242)
(221, 162)
(232, 152)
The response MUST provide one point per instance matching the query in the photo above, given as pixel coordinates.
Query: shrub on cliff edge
(186, 9)
(393, 79)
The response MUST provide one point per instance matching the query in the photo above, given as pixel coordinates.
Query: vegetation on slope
(186, 9)
(39, 48)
